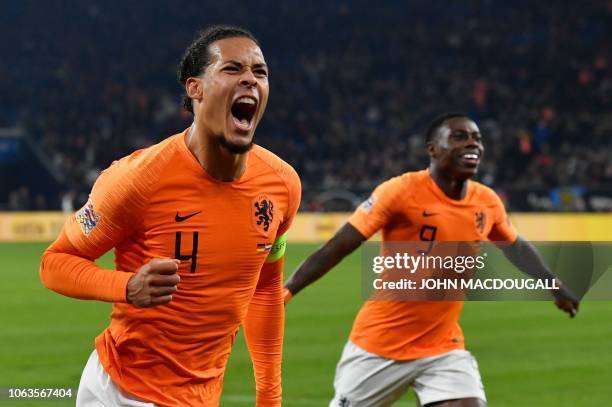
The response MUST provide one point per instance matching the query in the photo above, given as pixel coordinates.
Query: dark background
(353, 87)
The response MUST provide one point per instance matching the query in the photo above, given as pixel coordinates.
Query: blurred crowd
(353, 87)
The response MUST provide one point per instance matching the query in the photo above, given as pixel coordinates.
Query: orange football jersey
(160, 202)
(410, 208)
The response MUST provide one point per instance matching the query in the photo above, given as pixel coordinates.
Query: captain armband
(278, 249)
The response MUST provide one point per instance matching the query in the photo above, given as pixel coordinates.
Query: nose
(248, 79)
(473, 140)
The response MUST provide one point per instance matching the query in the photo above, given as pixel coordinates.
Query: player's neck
(452, 187)
(217, 161)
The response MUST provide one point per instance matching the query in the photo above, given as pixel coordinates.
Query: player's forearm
(526, 258)
(344, 242)
(68, 274)
(264, 329)
(312, 269)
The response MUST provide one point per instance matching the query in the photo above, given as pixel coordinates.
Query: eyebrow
(238, 63)
(465, 131)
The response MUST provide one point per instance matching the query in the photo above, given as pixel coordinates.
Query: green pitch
(530, 354)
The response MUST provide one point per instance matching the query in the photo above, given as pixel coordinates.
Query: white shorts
(96, 388)
(364, 379)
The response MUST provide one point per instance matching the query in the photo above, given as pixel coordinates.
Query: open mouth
(470, 158)
(243, 111)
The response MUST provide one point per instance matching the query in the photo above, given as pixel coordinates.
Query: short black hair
(197, 58)
(437, 122)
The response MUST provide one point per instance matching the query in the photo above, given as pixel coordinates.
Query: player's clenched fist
(154, 283)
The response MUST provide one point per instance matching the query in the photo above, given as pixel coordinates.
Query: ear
(194, 89)
(431, 150)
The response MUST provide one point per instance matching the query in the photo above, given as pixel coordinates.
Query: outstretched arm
(344, 242)
(527, 259)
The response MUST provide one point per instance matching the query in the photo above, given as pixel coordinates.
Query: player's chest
(215, 226)
(444, 222)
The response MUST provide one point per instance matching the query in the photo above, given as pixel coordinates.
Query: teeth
(246, 100)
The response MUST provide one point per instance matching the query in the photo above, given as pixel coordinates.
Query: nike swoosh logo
(426, 214)
(180, 218)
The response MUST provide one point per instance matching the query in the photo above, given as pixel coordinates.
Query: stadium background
(352, 88)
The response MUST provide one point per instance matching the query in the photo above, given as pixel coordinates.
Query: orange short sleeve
(378, 209)
(503, 230)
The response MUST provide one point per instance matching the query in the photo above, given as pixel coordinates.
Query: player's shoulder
(402, 183)
(139, 172)
(274, 166)
(484, 194)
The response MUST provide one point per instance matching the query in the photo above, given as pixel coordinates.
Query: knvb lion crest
(87, 217)
(263, 211)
